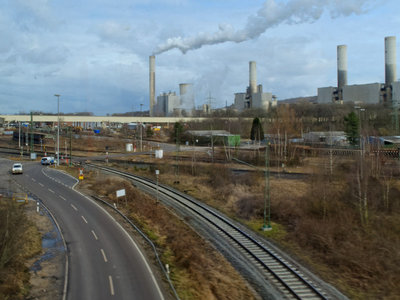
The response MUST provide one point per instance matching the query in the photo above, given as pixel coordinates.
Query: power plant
(388, 93)
(254, 96)
(170, 104)
(372, 93)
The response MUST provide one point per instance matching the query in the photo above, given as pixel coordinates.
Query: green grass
(276, 233)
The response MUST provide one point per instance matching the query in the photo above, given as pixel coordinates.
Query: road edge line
(130, 238)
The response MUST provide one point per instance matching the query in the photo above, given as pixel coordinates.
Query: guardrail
(150, 183)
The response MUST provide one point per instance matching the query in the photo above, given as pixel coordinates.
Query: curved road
(104, 261)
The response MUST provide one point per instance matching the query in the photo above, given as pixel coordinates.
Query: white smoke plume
(273, 13)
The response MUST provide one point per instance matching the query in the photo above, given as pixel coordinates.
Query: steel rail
(290, 271)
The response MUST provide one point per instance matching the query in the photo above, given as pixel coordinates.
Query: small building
(221, 137)
(337, 138)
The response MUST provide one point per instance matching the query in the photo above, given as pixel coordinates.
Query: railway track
(291, 282)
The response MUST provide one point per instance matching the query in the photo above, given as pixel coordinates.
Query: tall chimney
(390, 60)
(253, 77)
(341, 68)
(152, 83)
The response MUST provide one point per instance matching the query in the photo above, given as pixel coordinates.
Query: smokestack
(253, 77)
(390, 60)
(152, 83)
(341, 68)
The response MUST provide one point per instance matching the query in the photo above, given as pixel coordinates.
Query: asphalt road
(104, 261)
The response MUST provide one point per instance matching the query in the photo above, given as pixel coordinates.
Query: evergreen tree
(257, 132)
(352, 128)
(176, 134)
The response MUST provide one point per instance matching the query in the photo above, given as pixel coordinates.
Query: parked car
(16, 168)
(48, 160)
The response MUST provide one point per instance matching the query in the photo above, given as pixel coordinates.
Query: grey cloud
(31, 14)
(46, 56)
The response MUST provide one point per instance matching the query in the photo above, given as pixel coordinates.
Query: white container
(129, 148)
(159, 153)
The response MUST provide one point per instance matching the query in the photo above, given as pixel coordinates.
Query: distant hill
(309, 99)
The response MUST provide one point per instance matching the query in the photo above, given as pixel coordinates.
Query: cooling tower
(187, 97)
(341, 67)
(390, 60)
(152, 83)
(253, 77)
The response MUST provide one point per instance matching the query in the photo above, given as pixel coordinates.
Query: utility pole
(157, 173)
(58, 129)
(395, 119)
(70, 146)
(267, 200)
(177, 137)
(31, 134)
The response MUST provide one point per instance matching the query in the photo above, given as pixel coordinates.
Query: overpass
(100, 121)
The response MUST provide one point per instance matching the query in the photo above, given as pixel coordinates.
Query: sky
(95, 53)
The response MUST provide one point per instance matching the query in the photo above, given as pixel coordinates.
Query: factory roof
(209, 132)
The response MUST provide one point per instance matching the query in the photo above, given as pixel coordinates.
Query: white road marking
(84, 219)
(41, 184)
(104, 255)
(73, 206)
(62, 198)
(111, 285)
(33, 179)
(51, 191)
(94, 234)
(128, 236)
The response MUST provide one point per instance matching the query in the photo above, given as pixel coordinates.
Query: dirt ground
(47, 269)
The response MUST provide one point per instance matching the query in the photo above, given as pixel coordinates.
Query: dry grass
(19, 241)
(318, 219)
(197, 269)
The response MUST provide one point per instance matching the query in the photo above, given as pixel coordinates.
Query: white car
(16, 168)
(47, 160)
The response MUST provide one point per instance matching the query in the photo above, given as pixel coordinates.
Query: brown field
(350, 241)
(197, 269)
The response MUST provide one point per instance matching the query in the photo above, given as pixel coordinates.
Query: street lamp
(58, 128)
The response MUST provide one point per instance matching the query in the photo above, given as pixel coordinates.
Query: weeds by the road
(351, 240)
(197, 270)
(19, 241)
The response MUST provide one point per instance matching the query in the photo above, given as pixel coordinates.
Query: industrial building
(254, 96)
(371, 93)
(170, 104)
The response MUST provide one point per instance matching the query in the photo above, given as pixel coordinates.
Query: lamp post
(58, 128)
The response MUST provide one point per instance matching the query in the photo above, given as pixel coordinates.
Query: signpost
(80, 174)
(121, 193)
